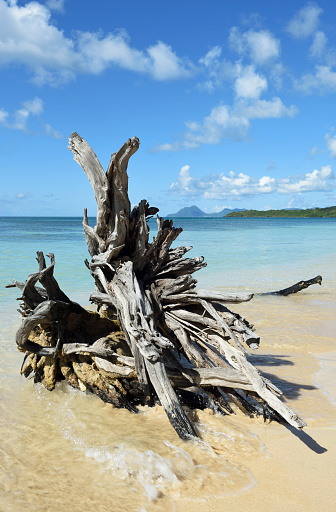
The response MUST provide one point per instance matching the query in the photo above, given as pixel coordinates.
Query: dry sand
(299, 476)
(298, 472)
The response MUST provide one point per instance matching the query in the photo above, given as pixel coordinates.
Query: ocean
(65, 450)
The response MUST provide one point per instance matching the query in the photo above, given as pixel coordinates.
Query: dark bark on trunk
(301, 285)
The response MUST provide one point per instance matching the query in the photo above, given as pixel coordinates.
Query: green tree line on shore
(309, 212)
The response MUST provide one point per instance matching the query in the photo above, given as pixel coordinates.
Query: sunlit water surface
(65, 450)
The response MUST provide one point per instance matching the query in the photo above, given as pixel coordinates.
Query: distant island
(194, 211)
(311, 212)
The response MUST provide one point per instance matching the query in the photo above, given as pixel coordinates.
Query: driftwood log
(156, 336)
(295, 288)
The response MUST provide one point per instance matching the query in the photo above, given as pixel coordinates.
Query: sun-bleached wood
(157, 333)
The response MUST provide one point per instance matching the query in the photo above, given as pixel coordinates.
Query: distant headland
(195, 212)
(309, 212)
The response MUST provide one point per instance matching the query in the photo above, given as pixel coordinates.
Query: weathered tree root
(169, 341)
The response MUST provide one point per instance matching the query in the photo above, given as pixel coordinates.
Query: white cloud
(305, 21)
(55, 5)
(263, 109)
(34, 106)
(167, 146)
(217, 209)
(331, 144)
(21, 116)
(211, 58)
(249, 84)
(324, 80)
(221, 122)
(326, 172)
(225, 121)
(266, 184)
(185, 180)
(260, 45)
(317, 49)
(20, 120)
(316, 150)
(3, 116)
(276, 75)
(165, 64)
(49, 130)
(23, 195)
(28, 37)
(217, 70)
(312, 182)
(96, 53)
(220, 186)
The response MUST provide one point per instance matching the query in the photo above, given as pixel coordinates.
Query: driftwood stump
(157, 337)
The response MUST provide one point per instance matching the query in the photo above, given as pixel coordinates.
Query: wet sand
(299, 472)
(69, 451)
(299, 476)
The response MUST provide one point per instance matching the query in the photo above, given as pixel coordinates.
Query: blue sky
(233, 102)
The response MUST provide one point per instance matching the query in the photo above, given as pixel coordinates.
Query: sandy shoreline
(299, 472)
(283, 469)
(299, 476)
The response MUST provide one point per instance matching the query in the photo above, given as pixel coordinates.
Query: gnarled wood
(169, 335)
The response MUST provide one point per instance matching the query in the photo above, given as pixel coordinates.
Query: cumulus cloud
(250, 84)
(34, 106)
(55, 5)
(316, 151)
(318, 46)
(315, 181)
(331, 144)
(210, 59)
(49, 130)
(323, 80)
(220, 186)
(216, 69)
(246, 81)
(3, 116)
(260, 45)
(217, 209)
(305, 21)
(225, 121)
(263, 109)
(20, 118)
(165, 64)
(28, 37)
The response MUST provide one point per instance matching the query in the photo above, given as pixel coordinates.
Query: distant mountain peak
(194, 211)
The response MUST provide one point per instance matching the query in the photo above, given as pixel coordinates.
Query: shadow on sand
(289, 389)
(307, 440)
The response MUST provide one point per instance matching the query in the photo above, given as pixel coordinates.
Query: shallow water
(69, 451)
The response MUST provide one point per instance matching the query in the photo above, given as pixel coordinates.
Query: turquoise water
(20, 238)
(242, 254)
(259, 253)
